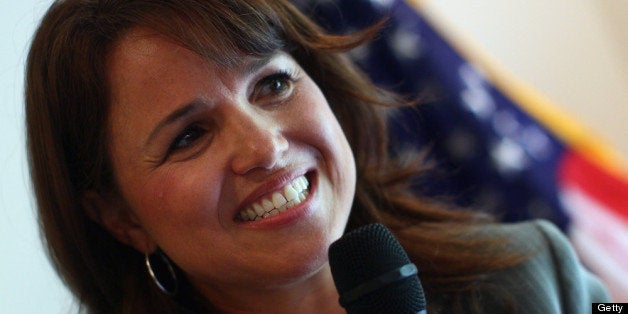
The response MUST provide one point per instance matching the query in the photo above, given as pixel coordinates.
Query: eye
(186, 138)
(279, 84)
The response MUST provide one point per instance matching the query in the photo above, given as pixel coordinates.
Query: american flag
(503, 147)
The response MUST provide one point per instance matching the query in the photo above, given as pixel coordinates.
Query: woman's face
(205, 156)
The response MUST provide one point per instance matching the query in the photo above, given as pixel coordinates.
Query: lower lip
(293, 214)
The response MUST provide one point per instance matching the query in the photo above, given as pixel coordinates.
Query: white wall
(574, 51)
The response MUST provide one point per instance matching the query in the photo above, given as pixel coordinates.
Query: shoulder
(551, 279)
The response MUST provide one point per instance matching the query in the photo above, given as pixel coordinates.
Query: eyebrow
(179, 114)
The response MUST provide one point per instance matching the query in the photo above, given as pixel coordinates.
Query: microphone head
(365, 255)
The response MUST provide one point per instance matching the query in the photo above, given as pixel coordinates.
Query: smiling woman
(225, 141)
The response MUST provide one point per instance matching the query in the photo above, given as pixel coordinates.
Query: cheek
(325, 134)
(318, 122)
(176, 200)
(332, 134)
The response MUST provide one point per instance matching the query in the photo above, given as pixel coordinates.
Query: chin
(306, 271)
(301, 266)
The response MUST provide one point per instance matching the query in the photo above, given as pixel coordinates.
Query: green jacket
(551, 280)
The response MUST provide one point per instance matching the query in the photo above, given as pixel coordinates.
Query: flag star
(406, 44)
(462, 145)
(505, 123)
(475, 97)
(382, 3)
(509, 157)
(479, 102)
(361, 53)
(536, 142)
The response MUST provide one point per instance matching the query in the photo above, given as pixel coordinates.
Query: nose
(258, 142)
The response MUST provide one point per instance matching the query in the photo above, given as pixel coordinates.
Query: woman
(225, 141)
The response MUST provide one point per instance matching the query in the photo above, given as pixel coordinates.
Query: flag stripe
(610, 190)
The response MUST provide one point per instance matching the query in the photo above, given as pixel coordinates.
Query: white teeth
(268, 205)
(250, 213)
(278, 200)
(259, 210)
(291, 195)
(303, 183)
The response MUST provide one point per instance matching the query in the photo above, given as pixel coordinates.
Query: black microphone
(373, 273)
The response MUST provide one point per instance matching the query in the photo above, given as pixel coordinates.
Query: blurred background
(573, 52)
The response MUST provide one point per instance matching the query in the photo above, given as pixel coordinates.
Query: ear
(112, 213)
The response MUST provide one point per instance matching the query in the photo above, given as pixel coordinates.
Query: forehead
(145, 58)
(147, 71)
(142, 59)
(145, 55)
(139, 44)
(145, 47)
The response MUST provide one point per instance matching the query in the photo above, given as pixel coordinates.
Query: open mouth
(289, 196)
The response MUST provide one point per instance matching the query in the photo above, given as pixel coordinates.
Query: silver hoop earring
(161, 271)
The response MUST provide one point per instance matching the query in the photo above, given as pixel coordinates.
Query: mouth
(277, 202)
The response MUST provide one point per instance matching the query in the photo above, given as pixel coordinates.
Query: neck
(316, 294)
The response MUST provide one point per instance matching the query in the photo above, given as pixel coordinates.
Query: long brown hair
(67, 108)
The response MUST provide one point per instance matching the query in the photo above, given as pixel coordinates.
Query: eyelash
(194, 131)
(287, 77)
(189, 134)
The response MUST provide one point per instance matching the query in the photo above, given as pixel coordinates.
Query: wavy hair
(67, 105)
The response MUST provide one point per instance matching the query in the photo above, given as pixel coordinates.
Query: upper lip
(273, 184)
